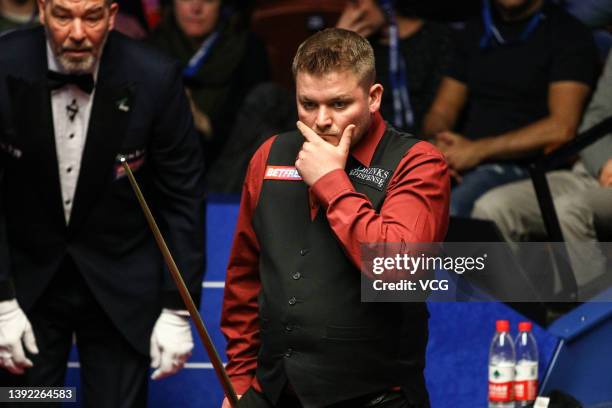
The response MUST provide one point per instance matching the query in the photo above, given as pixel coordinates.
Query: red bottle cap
(525, 326)
(502, 326)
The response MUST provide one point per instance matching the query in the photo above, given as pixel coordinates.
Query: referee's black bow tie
(58, 80)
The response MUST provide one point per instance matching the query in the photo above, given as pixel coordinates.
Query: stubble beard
(80, 65)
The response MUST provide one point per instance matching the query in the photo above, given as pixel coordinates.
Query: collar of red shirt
(364, 150)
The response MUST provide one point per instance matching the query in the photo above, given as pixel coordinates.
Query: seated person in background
(268, 109)
(423, 46)
(523, 78)
(17, 14)
(597, 15)
(582, 196)
(593, 13)
(222, 63)
(128, 19)
(145, 13)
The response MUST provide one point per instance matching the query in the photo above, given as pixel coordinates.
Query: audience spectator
(147, 12)
(582, 196)
(129, 25)
(17, 14)
(597, 15)
(222, 61)
(423, 46)
(593, 13)
(269, 109)
(523, 71)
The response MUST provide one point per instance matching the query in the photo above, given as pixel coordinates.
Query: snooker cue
(228, 389)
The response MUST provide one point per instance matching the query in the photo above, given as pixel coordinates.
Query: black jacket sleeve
(179, 182)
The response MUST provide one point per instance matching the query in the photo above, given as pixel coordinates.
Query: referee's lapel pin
(122, 105)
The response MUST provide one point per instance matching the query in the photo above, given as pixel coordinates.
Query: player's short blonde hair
(333, 50)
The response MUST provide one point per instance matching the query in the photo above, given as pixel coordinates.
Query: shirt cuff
(328, 187)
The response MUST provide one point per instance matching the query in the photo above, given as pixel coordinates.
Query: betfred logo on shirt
(282, 173)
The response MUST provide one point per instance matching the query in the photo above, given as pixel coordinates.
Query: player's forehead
(329, 85)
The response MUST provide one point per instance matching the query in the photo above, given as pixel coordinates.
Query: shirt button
(288, 328)
(288, 353)
(297, 276)
(292, 301)
(71, 136)
(303, 252)
(68, 201)
(69, 169)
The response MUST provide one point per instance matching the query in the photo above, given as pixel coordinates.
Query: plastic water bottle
(501, 367)
(526, 378)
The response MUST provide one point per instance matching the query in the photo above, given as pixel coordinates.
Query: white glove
(171, 343)
(15, 327)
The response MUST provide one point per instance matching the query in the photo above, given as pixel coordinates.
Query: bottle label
(501, 379)
(526, 381)
(526, 390)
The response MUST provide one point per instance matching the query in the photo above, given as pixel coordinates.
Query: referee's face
(77, 30)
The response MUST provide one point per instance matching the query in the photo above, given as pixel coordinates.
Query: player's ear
(375, 97)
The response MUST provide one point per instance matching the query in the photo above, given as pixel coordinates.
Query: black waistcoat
(315, 331)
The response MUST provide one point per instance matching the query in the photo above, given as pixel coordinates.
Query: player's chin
(331, 139)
